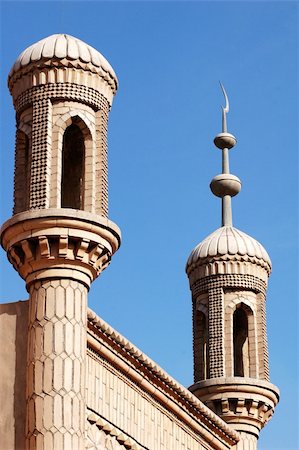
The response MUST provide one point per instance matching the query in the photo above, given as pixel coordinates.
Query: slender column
(55, 365)
(225, 161)
(227, 218)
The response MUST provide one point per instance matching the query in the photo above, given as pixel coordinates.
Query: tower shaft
(228, 275)
(59, 238)
(56, 365)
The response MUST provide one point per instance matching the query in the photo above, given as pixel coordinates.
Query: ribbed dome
(228, 241)
(62, 47)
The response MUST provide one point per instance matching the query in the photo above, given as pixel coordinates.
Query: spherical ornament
(225, 184)
(225, 140)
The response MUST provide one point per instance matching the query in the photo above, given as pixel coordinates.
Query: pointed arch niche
(240, 337)
(200, 346)
(22, 169)
(73, 170)
(72, 181)
(240, 343)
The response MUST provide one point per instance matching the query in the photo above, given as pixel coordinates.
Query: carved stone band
(246, 403)
(59, 243)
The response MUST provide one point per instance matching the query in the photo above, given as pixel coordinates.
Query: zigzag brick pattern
(55, 368)
(247, 442)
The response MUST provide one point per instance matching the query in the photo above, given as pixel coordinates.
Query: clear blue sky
(169, 57)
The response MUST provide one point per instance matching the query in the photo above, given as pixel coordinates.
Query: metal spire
(225, 185)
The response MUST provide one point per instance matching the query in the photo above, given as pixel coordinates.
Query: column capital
(59, 243)
(245, 403)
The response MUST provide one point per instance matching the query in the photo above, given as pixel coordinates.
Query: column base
(59, 243)
(247, 404)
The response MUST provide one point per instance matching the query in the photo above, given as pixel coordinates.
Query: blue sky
(169, 57)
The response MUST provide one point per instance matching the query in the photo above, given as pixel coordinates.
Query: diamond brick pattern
(40, 155)
(66, 90)
(216, 333)
(229, 281)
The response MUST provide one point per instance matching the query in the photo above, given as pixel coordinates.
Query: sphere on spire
(225, 140)
(225, 184)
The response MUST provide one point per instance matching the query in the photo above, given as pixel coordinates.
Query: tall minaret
(228, 274)
(59, 238)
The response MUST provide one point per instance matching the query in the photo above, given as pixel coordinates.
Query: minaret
(59, 238)
(228, 274)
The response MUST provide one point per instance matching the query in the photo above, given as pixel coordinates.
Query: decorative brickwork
(220, 331)
(70, 91)
(57, 244)
(101, 169)
(56, 365)
(247, 442)
(128, 371)
(129, 410)
(55, 107)
(216, 333)
(263, 341)
(246, 404)
(98, 437)
(40, 155)
(228, 281)
(61, 75)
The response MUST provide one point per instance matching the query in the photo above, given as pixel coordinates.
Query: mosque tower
(228, 274)
(59, 238)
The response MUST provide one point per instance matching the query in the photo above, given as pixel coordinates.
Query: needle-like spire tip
(225, 185)
(225, 109)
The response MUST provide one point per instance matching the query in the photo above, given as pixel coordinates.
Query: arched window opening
(22, 172)
(73, 154)
(201, 347)
(241, 343)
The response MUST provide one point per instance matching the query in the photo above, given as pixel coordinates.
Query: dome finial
(225, 185)
(225, 109)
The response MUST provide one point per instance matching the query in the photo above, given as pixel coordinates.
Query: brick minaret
(228, 274)
(59, 238)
